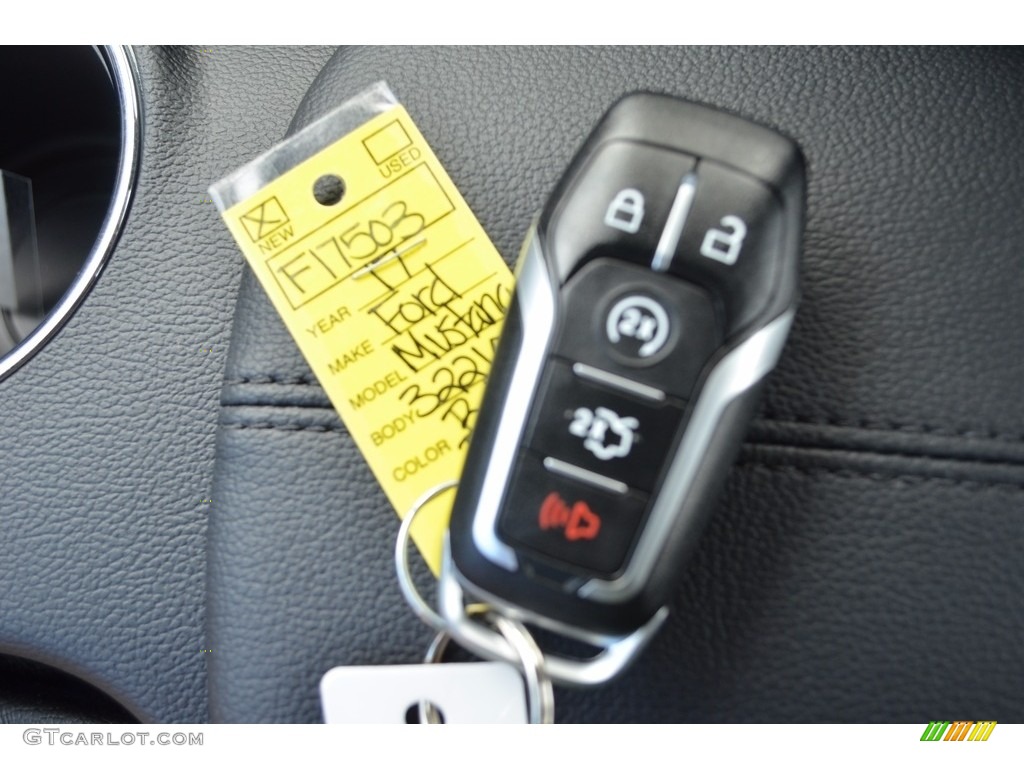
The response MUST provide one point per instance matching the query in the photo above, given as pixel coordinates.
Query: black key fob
(653, 295)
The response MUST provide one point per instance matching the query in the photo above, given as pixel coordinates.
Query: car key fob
(653, 295)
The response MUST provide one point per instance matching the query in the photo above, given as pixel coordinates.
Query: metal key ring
(540, 695)
(435, 655)
(412, 596)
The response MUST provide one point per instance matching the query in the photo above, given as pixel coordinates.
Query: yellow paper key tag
(387, 282)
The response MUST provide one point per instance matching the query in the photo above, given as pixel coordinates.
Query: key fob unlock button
(730, 243)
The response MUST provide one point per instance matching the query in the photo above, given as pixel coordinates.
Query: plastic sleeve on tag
(388, 284)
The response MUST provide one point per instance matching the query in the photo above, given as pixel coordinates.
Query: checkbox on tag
(265, 219)
(386, 142)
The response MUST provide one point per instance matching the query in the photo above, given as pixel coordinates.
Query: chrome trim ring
(123, 70)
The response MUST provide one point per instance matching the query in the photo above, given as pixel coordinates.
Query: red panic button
(579, 522)
(566, 523)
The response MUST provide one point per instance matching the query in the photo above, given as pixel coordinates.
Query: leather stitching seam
(271, 379)
(755, 464)
(892, 426)
(287, 427)
(860, 474)
(768, 417)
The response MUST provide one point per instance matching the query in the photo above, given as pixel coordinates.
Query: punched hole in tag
(329, 189)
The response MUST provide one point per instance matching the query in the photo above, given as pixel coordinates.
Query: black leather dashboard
(864, 564)
(107, 435)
